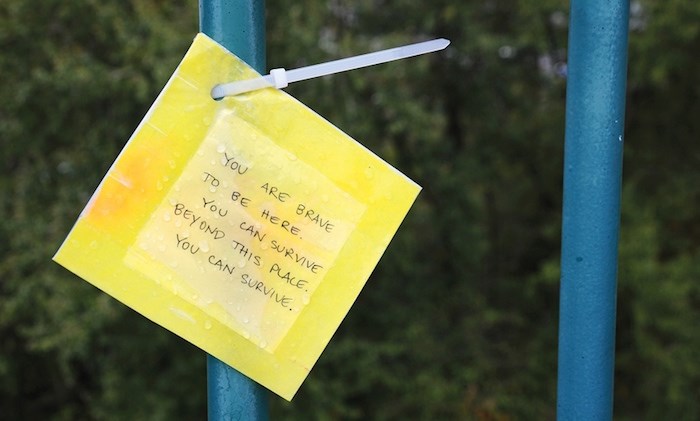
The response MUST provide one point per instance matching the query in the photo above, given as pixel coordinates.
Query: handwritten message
(247, 226)
(251, 229)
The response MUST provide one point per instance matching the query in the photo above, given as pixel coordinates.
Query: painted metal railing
(595, 111)
(597, 65)
(238, 25)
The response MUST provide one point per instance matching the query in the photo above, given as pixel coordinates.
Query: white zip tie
(281, 78)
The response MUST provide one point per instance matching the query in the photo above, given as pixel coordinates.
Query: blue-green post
(238, 25)
(595, 106)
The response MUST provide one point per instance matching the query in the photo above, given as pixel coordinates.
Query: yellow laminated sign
(247, 226)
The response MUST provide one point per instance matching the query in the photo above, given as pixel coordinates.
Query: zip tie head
(279, 77)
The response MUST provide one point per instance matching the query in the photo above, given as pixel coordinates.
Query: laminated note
(248, 226)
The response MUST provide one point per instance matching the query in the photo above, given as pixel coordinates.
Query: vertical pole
(595, 105)
(238, 25)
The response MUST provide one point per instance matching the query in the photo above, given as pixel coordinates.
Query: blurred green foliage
(459, 320)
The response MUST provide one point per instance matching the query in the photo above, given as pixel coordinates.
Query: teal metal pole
(595, 106)
(238, 25)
